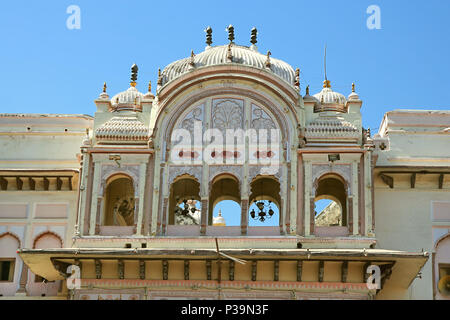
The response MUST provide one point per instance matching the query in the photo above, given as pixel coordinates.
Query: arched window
(9, 266)
(225, 196)
(330, 206)
(119, 206)
(184, 201)
(264, 202)
(442, 268)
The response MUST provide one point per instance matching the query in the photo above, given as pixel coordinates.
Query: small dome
(219, 56)
(219, 220)
(128, 99)
(330, 100)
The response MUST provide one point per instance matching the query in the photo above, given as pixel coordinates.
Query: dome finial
(230, 30)
(307, 90)
(254, 34)
(104, 87)
(191, 60)
(208, 31)
(159, 83)
(268, 64)
(297, 78)
(353, 87)
(149, 86)
(134, 72)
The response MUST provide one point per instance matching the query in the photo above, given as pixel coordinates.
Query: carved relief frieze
(227, 114)
(108, 170)
(276, 171)
(193, 117)
(216, 170)
(176, 171)
(344, 170)
(261, 120)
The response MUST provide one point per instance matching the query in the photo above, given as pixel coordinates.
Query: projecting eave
(406, 265)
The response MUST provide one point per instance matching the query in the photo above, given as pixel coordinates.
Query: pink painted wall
(442, 256)
(8, 249)
(38, 288)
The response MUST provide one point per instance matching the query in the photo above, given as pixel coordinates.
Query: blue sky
(47, 68)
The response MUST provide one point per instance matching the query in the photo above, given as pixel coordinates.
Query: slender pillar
(244, 216)
(204, 217)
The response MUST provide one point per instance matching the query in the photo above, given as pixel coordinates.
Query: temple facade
(121, 205)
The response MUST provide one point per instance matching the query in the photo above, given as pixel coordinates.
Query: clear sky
(47, 68)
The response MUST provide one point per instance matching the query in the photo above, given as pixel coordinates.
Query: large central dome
(220, 55)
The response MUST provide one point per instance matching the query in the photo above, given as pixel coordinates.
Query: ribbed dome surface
(218, 55)
(328, 96)
(127, 98)
(122, 129)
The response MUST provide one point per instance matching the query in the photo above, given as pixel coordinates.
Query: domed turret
(329, 100)
(228, 54)
(131, 98)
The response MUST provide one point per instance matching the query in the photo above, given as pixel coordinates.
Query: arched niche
(333, 187)
(184, 194)
(265, 189)
(119, 201)
(223, 187)
(9, 263)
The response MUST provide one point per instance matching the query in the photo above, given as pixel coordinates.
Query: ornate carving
(208, 269)
(196, 115)
(216, 170)
(109, 169)
(165, 264)
(261, 120)
(186, 269)
(254, 269)
(227, 114)
(344, 170)
(121, 269)
(98, 269)
(275, 171)
(231, 270)
(142, 269)
(176, 171)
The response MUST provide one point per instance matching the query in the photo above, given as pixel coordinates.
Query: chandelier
(186, 209)
(265, 210)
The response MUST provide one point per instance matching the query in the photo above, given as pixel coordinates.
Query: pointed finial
(149, 86)
(104, 87)
(134, 72)
(159, 83)
(268, 64)
(353, 87)
(326, 84)
(325, 63)
(191, 60)
(220, 213)
(307, 90)
(297, 77)
(208, 36)
(230, 30)
(253, 36)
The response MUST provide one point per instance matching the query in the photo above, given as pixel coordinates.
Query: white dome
(219, 220)
(328, 96)
(214, 56)
(127, 99)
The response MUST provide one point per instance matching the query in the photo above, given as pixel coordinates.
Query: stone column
(204, 216)
(244, 216)
(300, 197)
(147, 221)
(23, 281)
